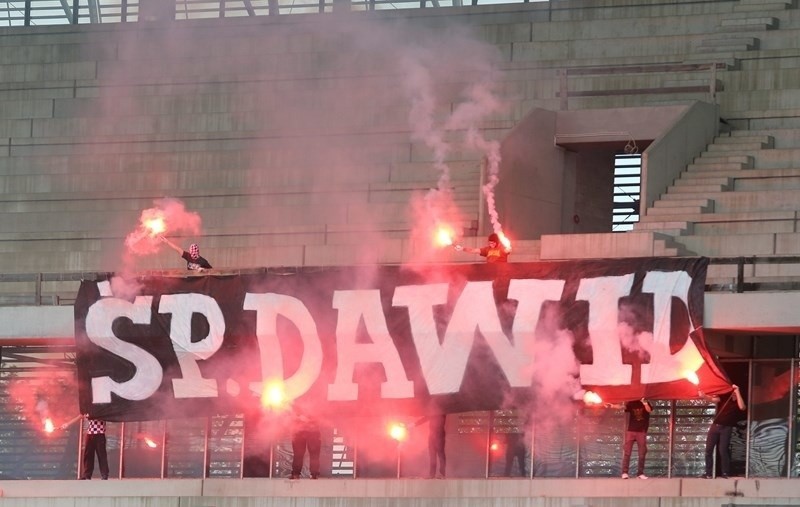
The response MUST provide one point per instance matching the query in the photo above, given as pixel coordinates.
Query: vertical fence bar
(792, 410)
(121, 449)
(164, 450)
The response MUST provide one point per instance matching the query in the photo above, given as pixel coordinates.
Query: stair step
(763, 5)
(688, 180)
(746, 216)
(724, 158)
(677, 211)
(731, 43)
(764, 140)
(741, 174)
(673, 228)
(724, 166)
(736, 147)
(693, 189)
(748, 23)
(671, 201)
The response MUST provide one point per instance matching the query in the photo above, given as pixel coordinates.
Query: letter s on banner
(99, 319)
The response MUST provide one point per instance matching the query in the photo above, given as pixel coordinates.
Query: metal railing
(43, 289)
(74, 12)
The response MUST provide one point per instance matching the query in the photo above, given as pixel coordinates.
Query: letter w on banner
(395, 339)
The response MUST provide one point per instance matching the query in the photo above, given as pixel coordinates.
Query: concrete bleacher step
(717, 167)
(740, 201)
(763, 5)
(671, 228)
(687, 182)
(728, 147)
(727, 59)
(749, 22)
(681, 201)
(728, 44)
(600, 245)
(698, 219)
(754, 244)
(706, 159)
(736, 137)
(693, 188)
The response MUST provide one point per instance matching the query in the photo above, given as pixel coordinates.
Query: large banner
(371, 340)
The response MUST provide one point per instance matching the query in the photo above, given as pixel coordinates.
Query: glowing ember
(504, 240)
(592, 398)
(49, 427)
(150, 442)
(494, 447)
(444, 236)
(692, 377)
(273, 395)
(398, 431)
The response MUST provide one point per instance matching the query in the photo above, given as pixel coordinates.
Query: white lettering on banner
(443, 361)
(183, 307)
(355, 306)
(267, 308)
(148, 375)
(530, 295)
(443, 365)
(603, 295)
(664, 366)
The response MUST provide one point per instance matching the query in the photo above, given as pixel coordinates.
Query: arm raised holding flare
(194, 262)
(494, 251)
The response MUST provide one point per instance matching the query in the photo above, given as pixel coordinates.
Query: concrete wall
(407, 492)
(674, 148)
(532, 178)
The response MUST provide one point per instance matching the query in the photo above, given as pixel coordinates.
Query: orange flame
(49, 427)
(273, 395)
(592, 398)
(692, 377)
(149, 442)
(398, 431)
(444, 235)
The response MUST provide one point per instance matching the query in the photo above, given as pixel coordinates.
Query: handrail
(74, 12)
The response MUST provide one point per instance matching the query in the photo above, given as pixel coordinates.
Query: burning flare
(592, 398)
(155, 226)
(398, 431)
(504, 240)
(149, 442)
(49, 427)
(273, 395)
(444, 235)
